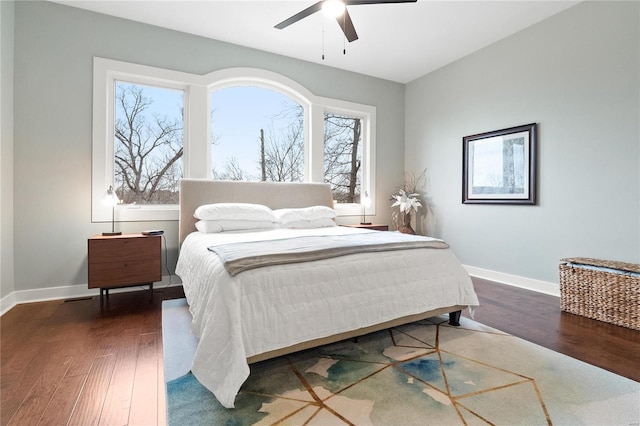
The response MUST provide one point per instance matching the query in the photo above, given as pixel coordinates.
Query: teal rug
(423, 373)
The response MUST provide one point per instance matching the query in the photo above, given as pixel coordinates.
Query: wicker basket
(603, 295)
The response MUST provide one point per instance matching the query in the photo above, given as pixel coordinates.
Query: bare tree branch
(342, 156)
(147, 150)
(283, 156)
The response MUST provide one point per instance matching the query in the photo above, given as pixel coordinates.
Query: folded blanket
(239, 257)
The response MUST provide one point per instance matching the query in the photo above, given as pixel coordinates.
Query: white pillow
(234, 211)
(285, 216)
(214, 226)
(323, 222)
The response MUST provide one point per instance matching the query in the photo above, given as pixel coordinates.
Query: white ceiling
(398, 42)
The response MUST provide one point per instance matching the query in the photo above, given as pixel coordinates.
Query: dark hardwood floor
(69, 362)
(537, 318)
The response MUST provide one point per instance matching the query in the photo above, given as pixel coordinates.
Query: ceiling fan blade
(357, 2)
(346, 24)
(300, 15)
(344, 21)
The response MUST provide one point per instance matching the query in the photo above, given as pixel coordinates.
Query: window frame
(367, 115)
(105, 74)
(196, 158)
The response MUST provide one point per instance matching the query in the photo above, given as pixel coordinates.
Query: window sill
(135, 213)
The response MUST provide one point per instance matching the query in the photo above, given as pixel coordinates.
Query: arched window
(238, 123)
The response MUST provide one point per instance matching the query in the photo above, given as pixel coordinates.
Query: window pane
(148, 143)
(256, 134)
(342, 156)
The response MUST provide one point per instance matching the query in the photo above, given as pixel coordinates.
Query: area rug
(422, 373)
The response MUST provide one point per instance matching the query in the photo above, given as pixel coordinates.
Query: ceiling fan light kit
(337, 9)
(333, 8)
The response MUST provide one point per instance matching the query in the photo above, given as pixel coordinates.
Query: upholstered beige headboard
(276, 195)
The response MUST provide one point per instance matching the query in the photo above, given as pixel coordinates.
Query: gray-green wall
(577, 75)
(54, 50)
(6, 147)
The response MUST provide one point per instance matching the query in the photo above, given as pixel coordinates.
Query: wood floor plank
(14, 335)
(144, 406)
(18, 361)
(43, 364)
(32, 407)
(59, 409)
(84, 349)
(117, 403)
(91, 400)
(31, 311)
(9, 408)
(90, 339)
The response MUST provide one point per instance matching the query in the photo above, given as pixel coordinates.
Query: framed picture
(499, 167)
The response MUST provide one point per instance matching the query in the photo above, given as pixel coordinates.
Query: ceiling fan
(338, 9)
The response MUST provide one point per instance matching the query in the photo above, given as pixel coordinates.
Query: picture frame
(499, 167)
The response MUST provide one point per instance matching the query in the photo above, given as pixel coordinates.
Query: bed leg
(454, 318)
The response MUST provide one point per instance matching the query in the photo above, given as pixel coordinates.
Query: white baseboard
(7, 302)
(71, 292)
(515, 280)
(75, 291)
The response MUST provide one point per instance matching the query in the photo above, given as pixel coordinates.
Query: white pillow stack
(306, 217)
(221, 217)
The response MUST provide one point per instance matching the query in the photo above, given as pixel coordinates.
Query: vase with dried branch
(408, 202)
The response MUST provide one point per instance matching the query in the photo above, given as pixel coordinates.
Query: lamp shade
(365, 200)
(111, 198)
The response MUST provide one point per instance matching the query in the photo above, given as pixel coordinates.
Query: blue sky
(238, 115)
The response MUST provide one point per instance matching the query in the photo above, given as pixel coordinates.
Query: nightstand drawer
(121, 249)
(116, 274)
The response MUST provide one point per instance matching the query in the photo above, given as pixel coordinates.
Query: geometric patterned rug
(423, 373)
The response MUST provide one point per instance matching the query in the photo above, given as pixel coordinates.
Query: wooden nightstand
(124, 261)
(374, 226)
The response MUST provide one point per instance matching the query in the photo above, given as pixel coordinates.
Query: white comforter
(278, 306)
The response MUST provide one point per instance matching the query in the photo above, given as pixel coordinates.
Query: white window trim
(196, 158)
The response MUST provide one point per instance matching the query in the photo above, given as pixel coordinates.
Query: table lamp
(111, 199)
(365, 201)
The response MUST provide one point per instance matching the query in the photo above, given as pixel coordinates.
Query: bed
(274, 310)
